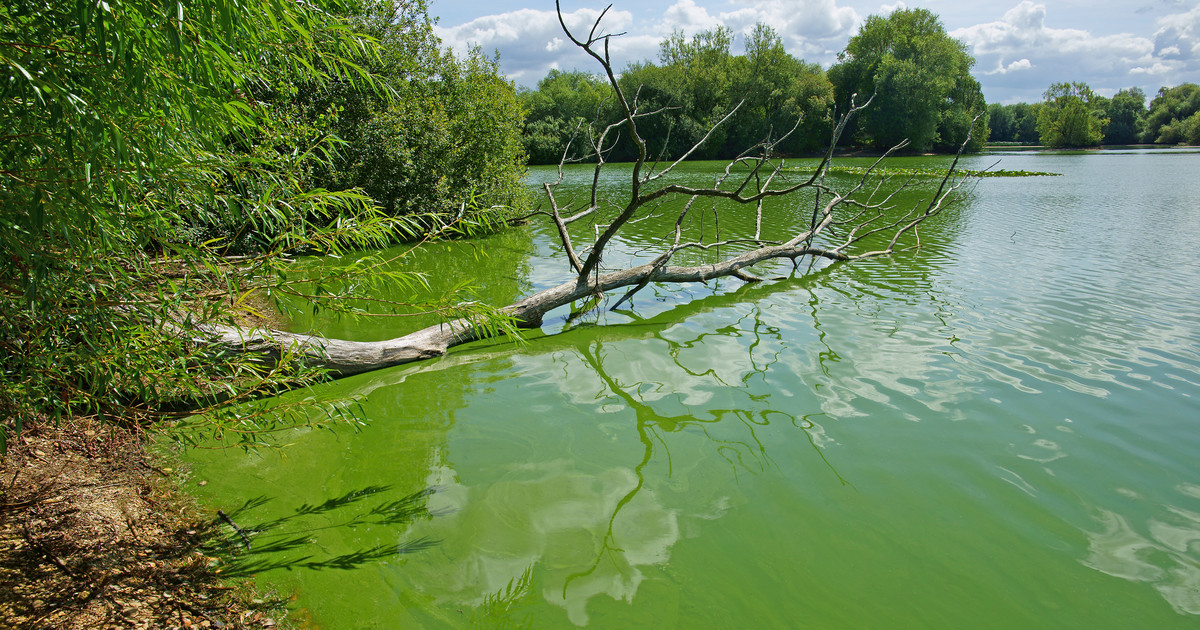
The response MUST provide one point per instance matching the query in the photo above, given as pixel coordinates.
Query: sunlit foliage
(1070, 116)
(447, 133)
(1126, 113)
(920, 78)
(1174, 116)
(143, 142)
(697, 82)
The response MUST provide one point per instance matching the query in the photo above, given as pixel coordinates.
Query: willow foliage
(134, 157)
(449, 135)
(1070, 116)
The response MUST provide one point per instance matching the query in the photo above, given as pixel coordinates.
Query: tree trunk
(344, 358)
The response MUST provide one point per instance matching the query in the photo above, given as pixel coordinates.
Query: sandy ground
(92, 536)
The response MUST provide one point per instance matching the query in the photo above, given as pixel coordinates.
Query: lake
(998, 430)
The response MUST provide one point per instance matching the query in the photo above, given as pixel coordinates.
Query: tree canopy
(1174, 116)
(1071, 116)
(1013, 123)
(1126, 113)
(697, 81)
(446, 134)
(563, 104)
(779, 90)
(920, 78)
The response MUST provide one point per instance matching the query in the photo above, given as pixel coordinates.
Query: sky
(1020, 46)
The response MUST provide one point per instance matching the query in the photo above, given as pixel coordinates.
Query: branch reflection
(743, 449)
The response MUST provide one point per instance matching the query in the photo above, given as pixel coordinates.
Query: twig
(33, 544)
(241, 532)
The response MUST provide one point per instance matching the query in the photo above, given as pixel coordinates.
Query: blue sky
(1021, 46)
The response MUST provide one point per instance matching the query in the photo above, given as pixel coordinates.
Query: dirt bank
(92, 536)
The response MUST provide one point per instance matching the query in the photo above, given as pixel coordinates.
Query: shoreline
(93, 534)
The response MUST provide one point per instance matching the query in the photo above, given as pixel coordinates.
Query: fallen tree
(848, 225)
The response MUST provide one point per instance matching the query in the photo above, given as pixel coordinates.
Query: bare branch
(652, 176)
(562, 231)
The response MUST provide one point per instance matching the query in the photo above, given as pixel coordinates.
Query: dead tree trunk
(861, 215)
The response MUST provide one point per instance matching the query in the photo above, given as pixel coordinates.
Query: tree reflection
(652, 429)
(745, 451)
(254, 546)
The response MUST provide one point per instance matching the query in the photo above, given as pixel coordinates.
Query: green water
(1001, 430)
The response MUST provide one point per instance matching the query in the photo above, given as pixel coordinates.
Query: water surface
(999, 430)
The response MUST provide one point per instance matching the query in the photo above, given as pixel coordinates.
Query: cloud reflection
(600, 525)
(1161, 556)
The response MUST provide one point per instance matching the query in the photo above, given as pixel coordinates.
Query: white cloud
(1179, 35)
(1016, 66)
(532, 42)
(1023, 31)
(1156, 69)
(1019, 52)
(811, 29)
(685, 15)
(1028, 54)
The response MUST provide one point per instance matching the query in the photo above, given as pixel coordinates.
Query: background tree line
(1071, 115)
(920, 77)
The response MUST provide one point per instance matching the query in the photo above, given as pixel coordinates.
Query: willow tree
(778, 89)
(1070, 116)
(135, 155)
(447, 132)
(863, 220)
(1174, 115)
(1126, 112)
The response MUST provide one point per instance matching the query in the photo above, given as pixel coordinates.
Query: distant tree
(964, 102)
(1025, 122)
(1174, 116)
(1000, 123)
(920, 76)
(1190, 129)
(701, 72)
(1126, 112)
(562, 106)
(778, 91)
(1013, 123)
(700, 82)
(657, 88)
(696, 83)
(1070, 117)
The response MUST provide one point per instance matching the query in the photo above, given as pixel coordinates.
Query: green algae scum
(999, 430)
